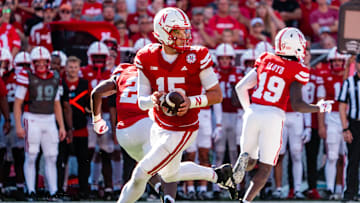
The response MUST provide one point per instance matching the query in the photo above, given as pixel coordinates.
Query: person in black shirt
(79, 100)
(289, 10)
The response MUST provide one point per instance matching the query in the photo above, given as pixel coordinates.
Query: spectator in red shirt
(65, 12)
(124, 40)
(145, 29)
(307, 7)
(222, 20)
(77, 7)
(326, 41)
(40, 34)
(201, 34)
(141, 9)
(91, 9)
(37, 15)
(256, 33)
(121, 9)
(9, 38)
(248, 11)
(326, 18)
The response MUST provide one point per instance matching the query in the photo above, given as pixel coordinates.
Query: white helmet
(140, 43)
(5, 55)
(40, 53)
(97, 48)
(168, 19)
(263, 47)
(290, 42)
(225, 50)
(248, 55)
(62, 56)
(334, 54)
(22, 60)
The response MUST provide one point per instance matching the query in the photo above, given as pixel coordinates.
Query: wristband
(198, 101)
(96, 118)
(346, 129)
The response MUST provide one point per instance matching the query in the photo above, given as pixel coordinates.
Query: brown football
(172, 102)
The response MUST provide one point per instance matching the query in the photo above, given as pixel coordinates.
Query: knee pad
(140, 174)
(333, 156)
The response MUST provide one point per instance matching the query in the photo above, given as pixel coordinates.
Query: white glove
(217, 133)
(325, 106)
(100, 127)
(306, 135)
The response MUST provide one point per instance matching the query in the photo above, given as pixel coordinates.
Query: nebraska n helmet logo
(163, 19)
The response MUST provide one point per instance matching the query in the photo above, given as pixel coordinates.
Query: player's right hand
(100, 127)
(155, 97)
(217, 133)
(325, 105)
(20, 133)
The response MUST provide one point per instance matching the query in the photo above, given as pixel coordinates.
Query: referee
(349, 98)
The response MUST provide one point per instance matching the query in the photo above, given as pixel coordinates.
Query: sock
(338, 189)
(157, 187)
(203, 188)
(95, 172)
(29, 171)
(51, 173)
(279, 189)
(190, 188)
(330, 174)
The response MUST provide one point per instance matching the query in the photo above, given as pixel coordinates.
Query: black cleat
(31, 197)
(226, 180)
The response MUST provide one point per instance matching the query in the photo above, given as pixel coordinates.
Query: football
(171, 103)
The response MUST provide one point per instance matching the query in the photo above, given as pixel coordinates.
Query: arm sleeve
(144, 92)
(343, 96)
(20, 92)
(248, 82)
(208, 78)
(218, 113)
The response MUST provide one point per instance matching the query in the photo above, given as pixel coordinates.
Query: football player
(39, 89)
(94, 73)
(22, 61)
(277, 77)
(173, 65)
(17, 144)
(330, 128)
(58, 62)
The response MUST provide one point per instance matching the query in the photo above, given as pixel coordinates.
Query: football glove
(217, 133)
(306, 135)
(100, 127)
(325, 106)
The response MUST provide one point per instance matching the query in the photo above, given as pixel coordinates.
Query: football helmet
(62, 56)
(97, 54)
(247, 60)
(22, 61)
(263, 47)
(169, 19)
(111, 43)
(290, 42)
(335, 55)
(40, 53)
(140, 43)
(6, 61)
(225, 50)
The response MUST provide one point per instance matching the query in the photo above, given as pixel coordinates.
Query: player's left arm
(297, 102)
(213, 93)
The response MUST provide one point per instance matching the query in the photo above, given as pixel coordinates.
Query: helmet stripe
(281, 37)
(183, 15)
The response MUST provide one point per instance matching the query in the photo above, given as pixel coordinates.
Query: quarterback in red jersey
(330, 127)
(277, 77)
(174, 65)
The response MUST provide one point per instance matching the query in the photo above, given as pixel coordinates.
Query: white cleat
(240, 167)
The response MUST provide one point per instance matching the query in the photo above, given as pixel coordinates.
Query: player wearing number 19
(39, 91)
(277, 77)
(173, 65)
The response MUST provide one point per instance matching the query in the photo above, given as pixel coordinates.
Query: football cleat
(240, 167)
(225, 179)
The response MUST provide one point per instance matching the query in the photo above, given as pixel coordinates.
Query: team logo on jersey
(184, 68)
(191, 58)
(154, 68)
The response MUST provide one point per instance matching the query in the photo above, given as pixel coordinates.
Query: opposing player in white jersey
(39, 90)
(174, 65)
(277, 77)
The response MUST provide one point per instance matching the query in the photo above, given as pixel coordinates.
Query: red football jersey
(94, 76)
(9, 38)
(219, 24)
(10, 82)
(40, 35)
(3, 91)
(332, 86)
(275, 76)
(227, 80)
(181, 75)
(128, 111)
(92, 9)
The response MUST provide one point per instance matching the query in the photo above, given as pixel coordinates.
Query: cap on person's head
(197, 10)
(48, 6)
(66, 7)
(358, 58)
(324, 29)
(254, 21)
